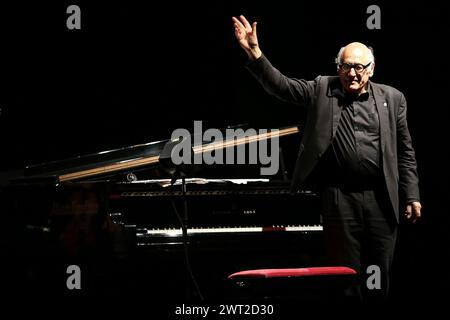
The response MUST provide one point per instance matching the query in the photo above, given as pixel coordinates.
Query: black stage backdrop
(134, 72)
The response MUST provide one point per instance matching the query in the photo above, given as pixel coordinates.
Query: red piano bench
(313, 283)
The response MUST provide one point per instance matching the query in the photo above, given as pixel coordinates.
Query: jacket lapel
(382, 108)
(334, 106)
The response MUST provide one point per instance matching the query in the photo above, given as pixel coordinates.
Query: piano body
(133, 227)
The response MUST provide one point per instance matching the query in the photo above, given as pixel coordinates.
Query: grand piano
(129, 216)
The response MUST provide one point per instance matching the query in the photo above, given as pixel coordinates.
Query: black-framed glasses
(358, 67)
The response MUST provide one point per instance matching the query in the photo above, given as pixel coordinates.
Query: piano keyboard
(192, 231)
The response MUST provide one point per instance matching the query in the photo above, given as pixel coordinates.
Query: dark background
(135, 72)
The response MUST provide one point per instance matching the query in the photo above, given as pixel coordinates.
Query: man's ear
(372, 69)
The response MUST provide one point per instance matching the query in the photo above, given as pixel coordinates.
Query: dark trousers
(360, 231)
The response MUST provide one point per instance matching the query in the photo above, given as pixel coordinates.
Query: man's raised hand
(246, 35)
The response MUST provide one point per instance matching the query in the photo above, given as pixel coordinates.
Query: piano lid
(99, 164)
(137, 157)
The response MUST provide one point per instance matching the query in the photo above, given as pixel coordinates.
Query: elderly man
(356, 149)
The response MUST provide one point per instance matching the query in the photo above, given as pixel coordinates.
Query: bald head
(355, 50)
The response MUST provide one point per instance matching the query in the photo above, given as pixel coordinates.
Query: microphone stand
(184, 228)
(184, 221)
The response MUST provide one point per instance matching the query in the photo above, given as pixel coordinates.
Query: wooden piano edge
(134, 163)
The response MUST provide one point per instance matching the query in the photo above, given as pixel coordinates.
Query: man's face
(355, 69)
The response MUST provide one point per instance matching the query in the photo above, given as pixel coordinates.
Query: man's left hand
(412, 211)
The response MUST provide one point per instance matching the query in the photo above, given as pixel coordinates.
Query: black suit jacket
(323, 114)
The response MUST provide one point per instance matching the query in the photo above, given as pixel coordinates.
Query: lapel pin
(385, 104)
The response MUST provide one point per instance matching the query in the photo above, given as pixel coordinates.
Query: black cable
(186, 251)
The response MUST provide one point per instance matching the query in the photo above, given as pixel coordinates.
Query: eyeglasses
(358, 67)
